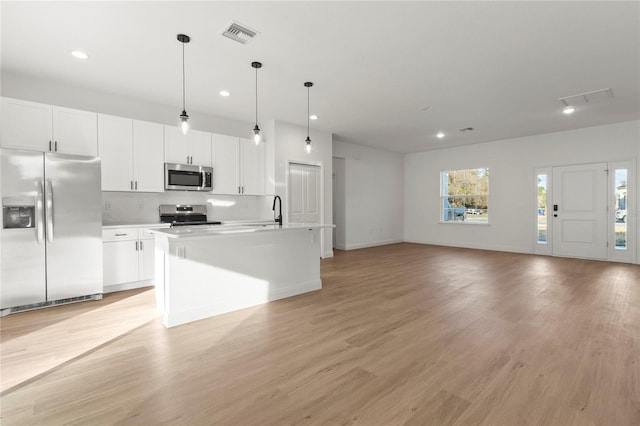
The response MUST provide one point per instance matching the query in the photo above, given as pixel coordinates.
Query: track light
(184, 117)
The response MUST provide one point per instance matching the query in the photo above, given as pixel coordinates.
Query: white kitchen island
(206, 271)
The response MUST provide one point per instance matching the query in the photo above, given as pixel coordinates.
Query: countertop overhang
(188, 232)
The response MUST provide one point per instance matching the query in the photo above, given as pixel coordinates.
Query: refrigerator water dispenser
(18, 212)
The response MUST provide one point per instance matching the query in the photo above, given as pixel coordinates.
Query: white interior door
(579, 211)
(304, 193)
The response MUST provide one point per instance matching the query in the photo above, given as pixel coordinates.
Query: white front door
(304, 193)
(579, 211)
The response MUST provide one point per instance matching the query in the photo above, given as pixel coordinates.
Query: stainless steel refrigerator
(51, 234)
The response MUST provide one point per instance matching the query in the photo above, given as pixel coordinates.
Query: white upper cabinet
(238, 166)
(226, 165)
(192, 148)
(148, 156)
(75, 132)
(26, 125)
(132, 154)
(39, 127)
(115, 147)
(200, 148)
(252, 167)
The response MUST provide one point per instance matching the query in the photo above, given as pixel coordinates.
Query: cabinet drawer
(119, 234)
(146, 235)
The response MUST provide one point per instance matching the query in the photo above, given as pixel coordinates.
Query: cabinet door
(148, 156)
(201, 148)
(26, 125)
(146, 259)
(115, 147)
(75, 131)
(120, 262)
(252, 167)
(225, 168)
(177, 146)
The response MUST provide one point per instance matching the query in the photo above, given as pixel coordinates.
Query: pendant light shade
(256, 129)
(184, 117)
(307, 141)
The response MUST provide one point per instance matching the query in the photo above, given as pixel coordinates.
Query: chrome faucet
(279, 217)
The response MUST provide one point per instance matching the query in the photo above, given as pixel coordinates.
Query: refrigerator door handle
(48, 200)
(39, 214)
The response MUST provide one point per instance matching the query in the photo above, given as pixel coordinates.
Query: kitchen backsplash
(119, 208)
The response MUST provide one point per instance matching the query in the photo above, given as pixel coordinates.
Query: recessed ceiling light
(79, 54)
(568, 110)
(440, 135)
(313, 117)
(225, 93)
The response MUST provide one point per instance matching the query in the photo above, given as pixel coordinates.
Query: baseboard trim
(492, 247)
(372, 244)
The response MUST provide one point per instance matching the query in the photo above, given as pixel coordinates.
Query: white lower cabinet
(128, 258)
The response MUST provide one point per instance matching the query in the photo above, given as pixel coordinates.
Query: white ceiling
(499, 67)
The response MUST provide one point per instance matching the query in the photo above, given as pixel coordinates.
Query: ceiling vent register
(239, 33)
(587, 97)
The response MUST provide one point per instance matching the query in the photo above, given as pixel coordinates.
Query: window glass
(620, 186)
(465, 195)
(541, 208)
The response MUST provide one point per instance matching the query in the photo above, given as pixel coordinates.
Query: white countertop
(166, 225)
(137, 225)
(203, 231)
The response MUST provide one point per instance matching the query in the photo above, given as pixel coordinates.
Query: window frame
(443, 197)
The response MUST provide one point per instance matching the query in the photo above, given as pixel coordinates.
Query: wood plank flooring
(400, 334)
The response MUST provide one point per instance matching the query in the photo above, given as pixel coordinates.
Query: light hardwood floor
(400, 334)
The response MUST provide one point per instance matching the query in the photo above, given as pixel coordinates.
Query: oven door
(185, 177)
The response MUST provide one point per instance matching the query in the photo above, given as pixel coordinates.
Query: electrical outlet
(180, 252)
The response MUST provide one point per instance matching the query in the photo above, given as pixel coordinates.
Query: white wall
(512, 195)
(126, 207)
(290, 146)
(374, 185)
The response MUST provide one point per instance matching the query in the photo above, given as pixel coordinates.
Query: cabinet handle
(55, 144)
(131, 184)
(121, 235)
(136, 246)
(243, 189)
(141, 246)
(187, 159)
(49, 146)
(136, 185)
(239, 190)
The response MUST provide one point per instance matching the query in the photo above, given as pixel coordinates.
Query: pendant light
(308, 84)
(184, 117)
(256, 130)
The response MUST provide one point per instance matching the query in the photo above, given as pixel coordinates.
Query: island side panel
(210, 276)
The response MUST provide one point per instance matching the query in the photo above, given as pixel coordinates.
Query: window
(465, 196)
(620, 191)
(541, 208)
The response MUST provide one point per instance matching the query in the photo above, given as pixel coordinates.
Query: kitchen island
(209, 270)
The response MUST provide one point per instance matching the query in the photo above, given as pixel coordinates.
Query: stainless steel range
(185, 215)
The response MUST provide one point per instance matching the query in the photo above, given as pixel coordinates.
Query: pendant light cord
(183, 78)
(308, 91)
(256, 96)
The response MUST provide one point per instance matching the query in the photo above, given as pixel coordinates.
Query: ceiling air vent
(240, 33)
(587, 97)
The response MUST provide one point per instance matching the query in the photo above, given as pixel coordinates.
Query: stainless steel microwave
(186, 177)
